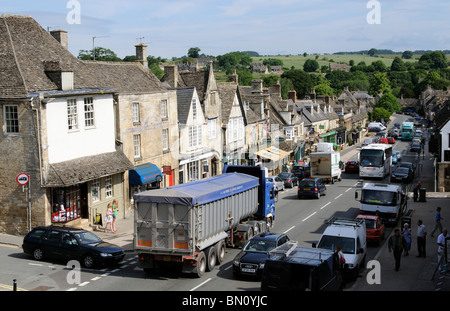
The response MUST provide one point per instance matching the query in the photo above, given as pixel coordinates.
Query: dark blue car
(252, 257)
(311, 187)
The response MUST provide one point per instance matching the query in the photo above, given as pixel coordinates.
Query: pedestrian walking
(108, 217)
(416, 190)
(421, 239)
(395, 245)
(406, 232)
(437, 221)
(115, 212)
(441, 247)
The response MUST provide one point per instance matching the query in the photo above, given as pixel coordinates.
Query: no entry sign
(23, 179)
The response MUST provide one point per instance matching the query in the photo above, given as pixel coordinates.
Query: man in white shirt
(441, 242)
(421, 239)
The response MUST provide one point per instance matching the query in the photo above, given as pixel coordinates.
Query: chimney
(293, 96)
(276, 88)
(141, 55)
(257, 86)
(235, 77)
(171, 75)
(61, 37)
(62, 77)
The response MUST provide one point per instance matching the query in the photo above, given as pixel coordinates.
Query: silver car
(278, 183)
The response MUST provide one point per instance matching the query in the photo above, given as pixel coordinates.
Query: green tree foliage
(379, 114)
(407, 54)
(324, 89)
(233, 60)
(433, 60)
(388, 102)
(101, 54)
(379, 83)
(273, 62)
(398, 64)
(301, 81)
(194, 52)
(373, 52)
(310, 65)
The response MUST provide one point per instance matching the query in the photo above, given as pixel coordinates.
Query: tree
(310, 65)
(379, 114)
(407, 55)
(433, 60)
(398, 64)
(379, 83)
(194, 52)
(101, 54)
(373, 52)
(301, 81)
(379, 66)
(324, 89)
(388, 102)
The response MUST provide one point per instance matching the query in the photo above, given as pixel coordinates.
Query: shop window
(108, 187)
(95, 191)
(66, 204)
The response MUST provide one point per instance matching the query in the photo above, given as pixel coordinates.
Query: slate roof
(27, 50)
(227, 91)
(80, 170)
(184, 100)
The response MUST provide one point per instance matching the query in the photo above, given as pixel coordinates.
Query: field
(298, 60)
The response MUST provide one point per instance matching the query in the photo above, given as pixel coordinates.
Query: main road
(303, 220)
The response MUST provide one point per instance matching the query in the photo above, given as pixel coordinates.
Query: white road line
(35, 264)
(289, 229)
(96, 278)
(338, 196)
(105, 274)
(201, 284)
(115, 270)
(348, 189)
(84, 283)
(309, 216)
(325, 205)
(71, 289)
(228, 267)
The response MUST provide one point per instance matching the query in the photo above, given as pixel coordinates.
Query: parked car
(415, 147)
(397, 125)
(278, 183)
(381, 134)
(71, 244)
(411, 166)
(416, 140)
(290, 180)
(374, 228)
(352, 167)
(251, 259)
(391, 140)
(301, 171)
(384, 140)
(398, 153)
(311, 187)
(402, 174)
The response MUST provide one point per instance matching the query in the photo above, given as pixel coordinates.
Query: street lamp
(93, 44)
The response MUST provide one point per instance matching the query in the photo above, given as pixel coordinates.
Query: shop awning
(273, 153)
(144, 174)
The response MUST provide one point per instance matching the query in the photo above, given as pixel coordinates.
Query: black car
(311, 187)
(301, 171)
(409, 165)
(401, 174)
(71, 244)
(290, 180)
(252, 257)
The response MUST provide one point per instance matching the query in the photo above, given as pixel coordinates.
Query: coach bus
(407, 130)
(375, 161)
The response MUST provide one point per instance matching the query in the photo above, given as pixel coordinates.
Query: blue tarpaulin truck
(190, 224)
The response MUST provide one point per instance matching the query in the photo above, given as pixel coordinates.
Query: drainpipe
(37, 110)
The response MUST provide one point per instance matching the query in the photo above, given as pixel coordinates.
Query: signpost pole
(29, 205)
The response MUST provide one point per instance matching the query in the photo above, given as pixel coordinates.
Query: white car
(278, 183)
(399, 154)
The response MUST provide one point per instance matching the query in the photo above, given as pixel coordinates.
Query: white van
(350, 236)
(377, 124)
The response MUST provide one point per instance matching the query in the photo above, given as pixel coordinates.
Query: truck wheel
(201, 264)
(220, 251)
(210, 258)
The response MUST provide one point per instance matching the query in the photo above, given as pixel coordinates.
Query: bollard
(14, 285)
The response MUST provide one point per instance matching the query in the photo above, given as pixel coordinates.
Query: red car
(352, 167)
(391, 140)
(374, 228)
(384, 140)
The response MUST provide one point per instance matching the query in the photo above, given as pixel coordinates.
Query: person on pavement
(395, 245)
(421, 239)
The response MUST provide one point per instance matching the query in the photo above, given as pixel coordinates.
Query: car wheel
(88, 261)
(38, 254)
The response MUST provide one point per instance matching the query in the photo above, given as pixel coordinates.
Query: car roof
(268, 236)
(361, 216)
(60, 228)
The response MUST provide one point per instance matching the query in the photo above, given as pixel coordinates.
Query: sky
(217, 27)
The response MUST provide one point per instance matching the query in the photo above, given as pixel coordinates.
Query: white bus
(375, 160)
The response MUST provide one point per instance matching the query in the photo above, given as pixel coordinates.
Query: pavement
(415, 274)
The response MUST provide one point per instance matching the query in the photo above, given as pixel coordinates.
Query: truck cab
(350, 236)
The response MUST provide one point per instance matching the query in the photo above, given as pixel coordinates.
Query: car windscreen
(379, 197)
(307, 183)
(330, 242)
(284, 175)
(87, 237)
(259, 246)
(370, 223)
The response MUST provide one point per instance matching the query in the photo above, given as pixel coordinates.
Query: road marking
(309, 216)
(11, 287)
(72, 289)
(228, 267)
(201, 284)
(96, 278)
(338, 196)
(325, 205)
(84, 283)
(289, 229)
(35, 264)
(348, 189)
